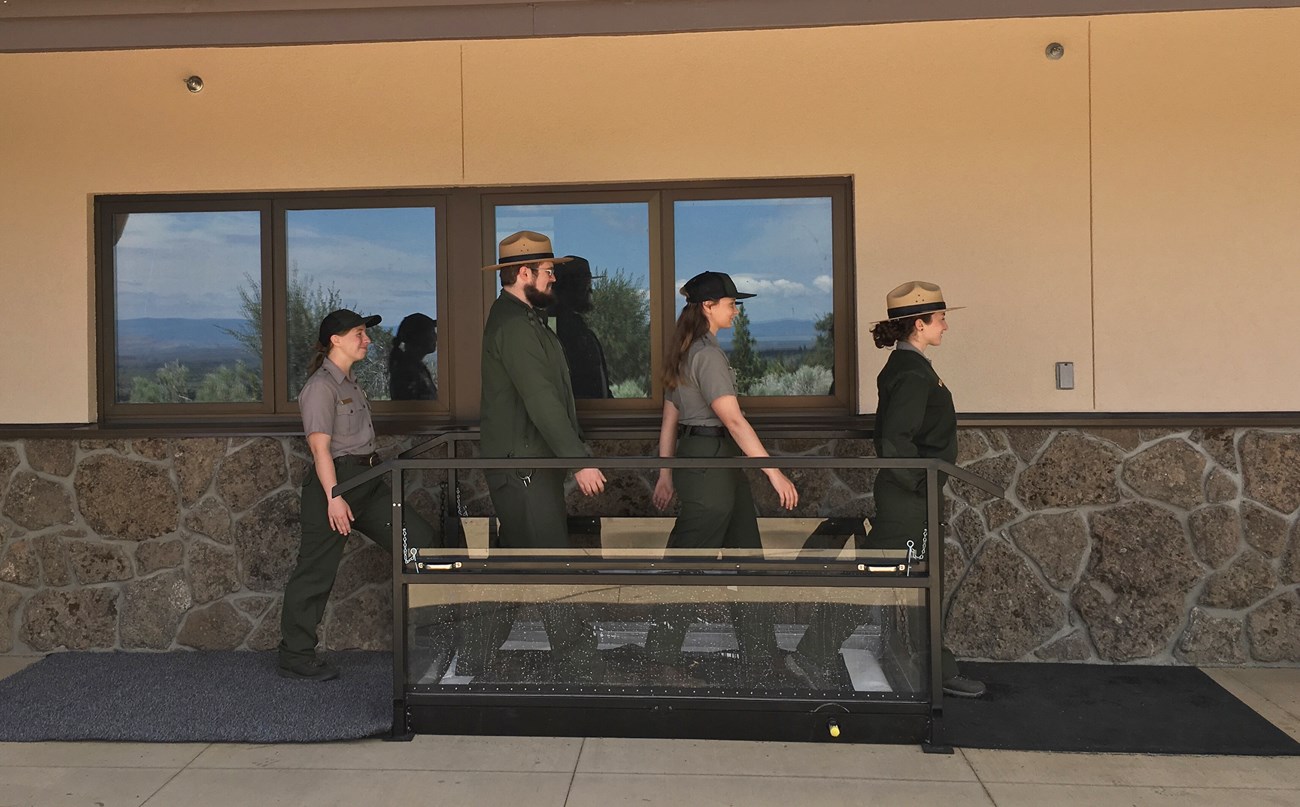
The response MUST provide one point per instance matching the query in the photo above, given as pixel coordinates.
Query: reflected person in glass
(341, 437)
(702, 418)
(409, 378)
(915, 418)
(587, 368)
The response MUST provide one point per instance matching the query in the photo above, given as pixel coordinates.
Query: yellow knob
(834, 728)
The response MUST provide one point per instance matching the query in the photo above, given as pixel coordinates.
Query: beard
(536, 297)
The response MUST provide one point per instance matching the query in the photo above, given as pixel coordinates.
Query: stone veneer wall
(1150, 545)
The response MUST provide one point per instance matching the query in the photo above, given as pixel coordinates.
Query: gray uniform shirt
(334, 404)
(706, 376)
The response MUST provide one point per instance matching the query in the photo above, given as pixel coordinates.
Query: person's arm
(898, 424)
(727, 408)
(340, 514)
(663, 495)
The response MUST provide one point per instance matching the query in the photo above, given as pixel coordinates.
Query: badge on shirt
(349, 400)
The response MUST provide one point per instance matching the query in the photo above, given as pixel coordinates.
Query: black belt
(368, 460)
(701, 431)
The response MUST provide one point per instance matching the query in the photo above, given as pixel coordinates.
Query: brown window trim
(468, 212)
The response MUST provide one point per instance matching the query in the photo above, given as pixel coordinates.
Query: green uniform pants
(900, 517)
(530, 515)
(321, 551)
(717, 512)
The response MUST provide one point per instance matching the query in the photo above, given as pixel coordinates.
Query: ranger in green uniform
(702, 418)
(336, 420)
(528, 410)
(915, 418)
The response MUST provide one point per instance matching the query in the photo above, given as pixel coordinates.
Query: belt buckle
(372, 460)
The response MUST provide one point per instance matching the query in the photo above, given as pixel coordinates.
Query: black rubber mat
(1108, 708)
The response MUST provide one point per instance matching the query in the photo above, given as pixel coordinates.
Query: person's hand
(664, 492)
(590, 481)
(784, 488)
(340, 516)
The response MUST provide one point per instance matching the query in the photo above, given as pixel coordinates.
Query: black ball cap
(341, 321)
(711, 286)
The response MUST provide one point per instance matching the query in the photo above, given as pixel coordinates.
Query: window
(209, 305)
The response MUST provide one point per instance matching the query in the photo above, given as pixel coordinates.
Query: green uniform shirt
(915, 416)
(527, 407)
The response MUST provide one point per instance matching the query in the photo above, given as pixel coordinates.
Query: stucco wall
(1134, 197)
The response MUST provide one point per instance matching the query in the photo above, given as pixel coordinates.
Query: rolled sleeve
(316, 402)
(712, 374)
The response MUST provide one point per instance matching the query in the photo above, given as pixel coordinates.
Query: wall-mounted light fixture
(194, 84)
(1055, 51)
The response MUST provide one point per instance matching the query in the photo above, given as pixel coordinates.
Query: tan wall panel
(79, 124)
(969, 148)
(1196, 135)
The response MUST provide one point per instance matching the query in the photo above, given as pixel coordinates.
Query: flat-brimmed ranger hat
(523, 247)
(711, 286)
(913, 298)
(341, 321)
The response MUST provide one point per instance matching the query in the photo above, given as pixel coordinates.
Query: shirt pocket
(347, 417)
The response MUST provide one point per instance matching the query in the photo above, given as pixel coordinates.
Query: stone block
(195, 462)
(36, 503)
(1212, 640)
(151, 556)
(10, 599)
(211, 518)
(1026, 442)
(253, 605)
(252, 472)
(954, 570)
(627, 493)
(367, 566)
(152, 448)
(971, 446)
(8, 462)
(98, 562)
(152, 609)
(1001, 512)
(1245, 582)
(20, 564)
(1002, 610)
(1219, 443)
(1000, 470)
(266, 540)
(82, 619)
(211, 571)
(1274, 629)
(1132, 595)
(1170, 472)
(1126, 439)
(1271, 468)
(1072, 471)
(1289, 570)
(363, 621)
(126, 499)
(1263, 529)
(54, 559)
(53, 457)
(1057, 542)
(1216, 534)
(968, 528)
(1221, 487)
(215, 627)
(116, 446)
(1071, 647)
(266, 636)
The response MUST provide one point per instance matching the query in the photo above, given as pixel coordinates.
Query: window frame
(469, 212)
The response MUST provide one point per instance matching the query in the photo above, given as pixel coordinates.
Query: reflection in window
(781, 250)
(187, 291)
(601, 312)
(373, 261)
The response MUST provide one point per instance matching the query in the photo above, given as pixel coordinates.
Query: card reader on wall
(1065, 375)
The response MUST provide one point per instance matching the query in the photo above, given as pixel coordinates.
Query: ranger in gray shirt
(341, 436)
(702, 418)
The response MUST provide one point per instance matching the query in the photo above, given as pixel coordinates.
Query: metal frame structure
(558, 710)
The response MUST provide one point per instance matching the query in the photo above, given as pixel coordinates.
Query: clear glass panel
(849, 641)
(602, 317)
(187, 296)
(781, 250)
(374, 261)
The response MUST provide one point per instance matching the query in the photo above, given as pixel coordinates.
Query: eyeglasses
(550, 272)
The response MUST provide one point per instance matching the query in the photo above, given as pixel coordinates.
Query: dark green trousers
(717, 512)
(529, 516)
(900, 517)
(321, 550)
